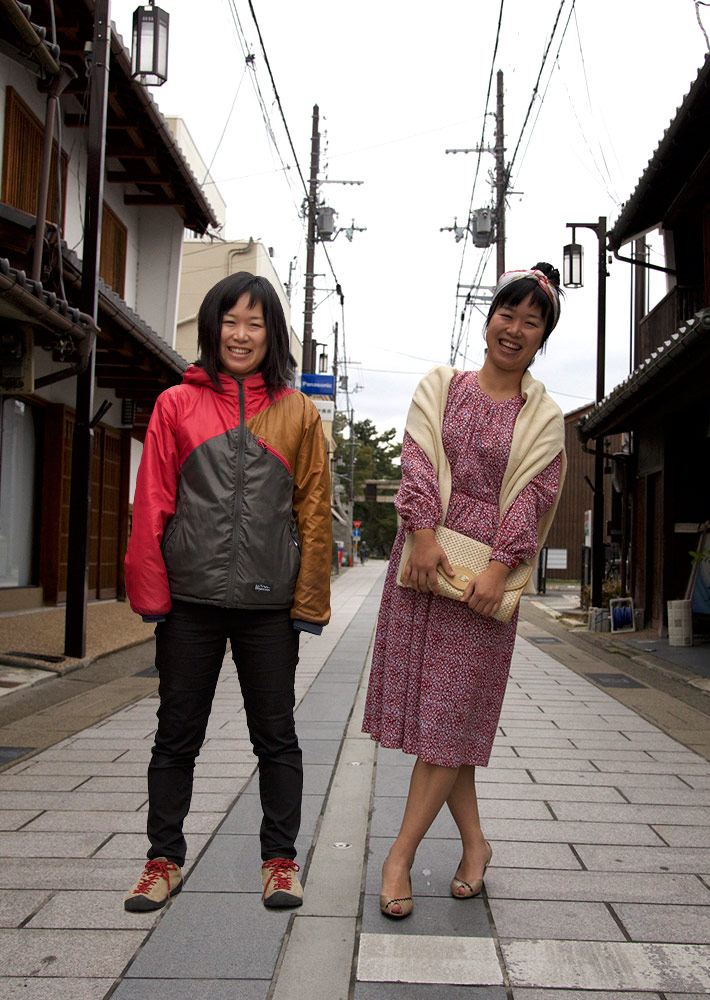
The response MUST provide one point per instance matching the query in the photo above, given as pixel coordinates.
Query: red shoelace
(280, 869)
(158, 868)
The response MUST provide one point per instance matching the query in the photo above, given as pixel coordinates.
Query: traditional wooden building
(664, 404)
(150, 197)
(566, 542)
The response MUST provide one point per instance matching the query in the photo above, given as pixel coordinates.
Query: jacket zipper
(238, 484)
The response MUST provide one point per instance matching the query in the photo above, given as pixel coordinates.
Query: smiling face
(244, 338)
(514, 335)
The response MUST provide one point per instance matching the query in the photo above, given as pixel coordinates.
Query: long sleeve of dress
(516, 537)
(418, 501)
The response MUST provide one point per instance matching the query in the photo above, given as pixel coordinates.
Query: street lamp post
(572, 278)
(150, 36)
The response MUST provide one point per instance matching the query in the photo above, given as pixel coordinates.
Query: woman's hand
(420, 571)
(484, 594)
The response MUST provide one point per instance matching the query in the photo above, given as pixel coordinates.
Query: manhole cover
(615, 680)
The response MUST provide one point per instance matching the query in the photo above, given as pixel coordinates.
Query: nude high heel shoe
(405, 903)
(470, 889)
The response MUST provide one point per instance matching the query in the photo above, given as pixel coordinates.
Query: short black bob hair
(518, 291)
(276, 368)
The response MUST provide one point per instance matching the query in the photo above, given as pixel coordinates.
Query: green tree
(375, 456)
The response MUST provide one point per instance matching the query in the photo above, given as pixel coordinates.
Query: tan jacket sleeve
(311, 507)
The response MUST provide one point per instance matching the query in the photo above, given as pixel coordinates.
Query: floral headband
(543, 281)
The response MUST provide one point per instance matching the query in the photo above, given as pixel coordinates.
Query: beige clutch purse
(468, 558)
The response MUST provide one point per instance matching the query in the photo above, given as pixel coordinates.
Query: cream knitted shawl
(538, 437)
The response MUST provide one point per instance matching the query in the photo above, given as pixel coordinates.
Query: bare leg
(429, 788)
(463, 804)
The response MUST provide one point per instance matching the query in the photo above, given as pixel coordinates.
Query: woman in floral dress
(440, 666)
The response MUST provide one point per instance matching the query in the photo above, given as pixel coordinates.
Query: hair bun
(549, 271)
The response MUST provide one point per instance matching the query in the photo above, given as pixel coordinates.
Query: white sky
(397, 84)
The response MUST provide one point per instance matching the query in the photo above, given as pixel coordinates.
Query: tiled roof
(650, 378)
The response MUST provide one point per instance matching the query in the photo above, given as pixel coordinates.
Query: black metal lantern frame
(149, 62)
(572, 261)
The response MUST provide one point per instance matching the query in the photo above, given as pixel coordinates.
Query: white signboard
(557, 558)
(326, 408)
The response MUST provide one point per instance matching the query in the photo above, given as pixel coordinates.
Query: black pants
(190, 648)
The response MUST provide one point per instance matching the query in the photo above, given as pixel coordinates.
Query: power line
(285, 124)
(475, 178)
(535, 88)
(278, 99)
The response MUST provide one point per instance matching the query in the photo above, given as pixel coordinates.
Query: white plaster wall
(158, 269)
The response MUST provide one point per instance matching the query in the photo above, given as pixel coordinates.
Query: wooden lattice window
(114, 239)
(22, 161)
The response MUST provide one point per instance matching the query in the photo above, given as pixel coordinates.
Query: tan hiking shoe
(160, 880)
(281, 884)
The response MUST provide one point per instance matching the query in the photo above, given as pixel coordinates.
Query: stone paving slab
(66, 953)
(18, 905)
(190, 989)
(558, 920)
(612, 966)
(50, 845)
(607, 886)
(428, 958)
(681, 924)
(13, 819)
(55, 989)
(216, 936)
(645, 859)
(523, 994)
(113, 822)
(411, 991)
(89, 910)
(448, 916)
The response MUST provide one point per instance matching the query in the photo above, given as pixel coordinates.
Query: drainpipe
(63, 78)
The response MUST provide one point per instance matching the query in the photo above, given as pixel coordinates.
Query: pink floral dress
(439, 670)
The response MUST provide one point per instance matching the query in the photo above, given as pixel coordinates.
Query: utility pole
(83, 437)
(307, 362)
(501, 184)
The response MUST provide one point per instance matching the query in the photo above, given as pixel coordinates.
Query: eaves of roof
(117, 309)
(685, 146)
(681, 353)
(203, 215)
(27, 300)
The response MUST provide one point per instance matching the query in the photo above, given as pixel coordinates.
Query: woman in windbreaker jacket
(231, 539)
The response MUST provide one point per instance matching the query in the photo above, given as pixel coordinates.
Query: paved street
(599, 886)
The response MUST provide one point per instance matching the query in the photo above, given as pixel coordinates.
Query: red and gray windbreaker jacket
(232, 501)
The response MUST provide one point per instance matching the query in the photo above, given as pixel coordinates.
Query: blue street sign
(317, 385)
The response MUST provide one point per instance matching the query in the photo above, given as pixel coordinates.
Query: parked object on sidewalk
(231, 540)
(621, 614)
(160, 881)
(483, 456)
(598, 620)
(680, 623)
(282, 887)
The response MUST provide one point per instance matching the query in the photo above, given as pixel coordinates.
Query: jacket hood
(194, 375)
